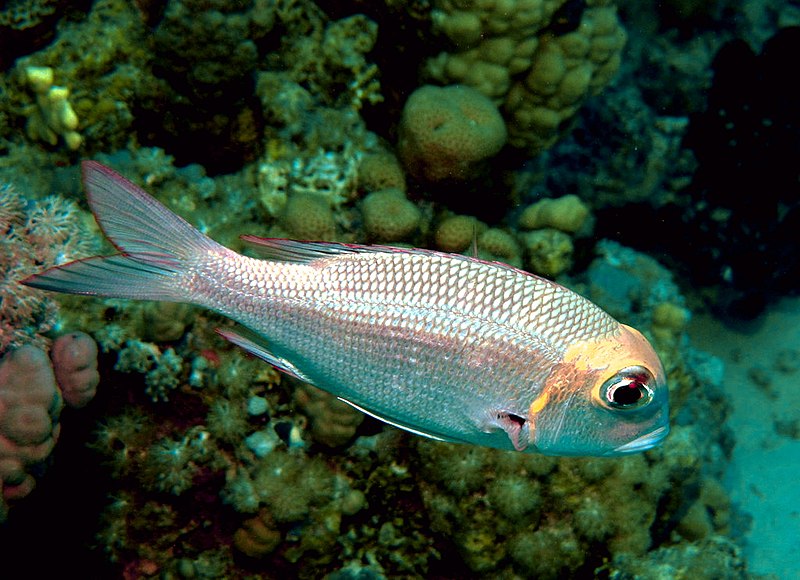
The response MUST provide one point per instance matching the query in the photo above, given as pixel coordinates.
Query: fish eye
(629, 389)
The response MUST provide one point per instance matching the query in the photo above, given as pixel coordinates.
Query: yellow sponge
(53, 116)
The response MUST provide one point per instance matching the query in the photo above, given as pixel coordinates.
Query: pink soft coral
(31, 386)
(75, 363)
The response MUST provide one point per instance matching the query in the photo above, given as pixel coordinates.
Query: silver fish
(445, 346)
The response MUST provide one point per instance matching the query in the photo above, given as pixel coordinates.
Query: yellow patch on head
(592, 355)
(538, 404)
(626, 347)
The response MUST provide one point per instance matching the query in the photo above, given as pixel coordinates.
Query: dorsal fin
(302, 252)
(284, 250)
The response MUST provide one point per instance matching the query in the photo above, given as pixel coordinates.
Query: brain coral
(380, 171)
(496, 244)
(539, 59)
(308, 217)
(446, 132)
(455, 233)
(389, 216)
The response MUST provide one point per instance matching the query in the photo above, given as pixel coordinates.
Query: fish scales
(445, 346)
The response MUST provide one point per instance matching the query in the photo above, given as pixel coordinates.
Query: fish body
(445, 346)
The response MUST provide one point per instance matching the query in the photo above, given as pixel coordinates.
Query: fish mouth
(644, 442)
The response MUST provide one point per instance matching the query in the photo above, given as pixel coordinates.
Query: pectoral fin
(255, 346)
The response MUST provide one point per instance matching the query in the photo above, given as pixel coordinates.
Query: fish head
(607, 397)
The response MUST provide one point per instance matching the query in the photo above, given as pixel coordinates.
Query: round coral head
(447, 133)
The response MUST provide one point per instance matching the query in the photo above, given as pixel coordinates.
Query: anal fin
(393, 423)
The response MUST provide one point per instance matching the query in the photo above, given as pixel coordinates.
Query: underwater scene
(363, 289)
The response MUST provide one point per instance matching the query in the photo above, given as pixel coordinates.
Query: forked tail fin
(156, 246)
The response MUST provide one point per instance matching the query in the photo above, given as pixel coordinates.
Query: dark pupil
(627, 394)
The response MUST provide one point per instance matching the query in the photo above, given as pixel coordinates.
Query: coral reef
(498, 245)
(456, 233)
(308, 216)
(539, 59)
(206, 57)
(332, 422)
(24, 26)
(268, 118)
(741, 213)
(549, 251)
(712, 557)
(86, 54)
(380, 170)
(632, 284)
(74, 358)
(531, 515)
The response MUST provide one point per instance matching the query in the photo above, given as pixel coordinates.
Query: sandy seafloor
(762, 377)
